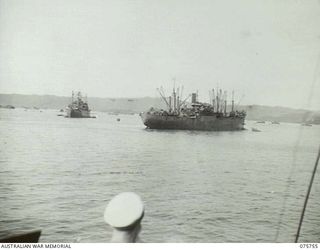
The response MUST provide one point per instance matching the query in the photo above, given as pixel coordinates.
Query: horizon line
(276, 106)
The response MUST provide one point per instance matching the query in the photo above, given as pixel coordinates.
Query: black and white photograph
(159, 121)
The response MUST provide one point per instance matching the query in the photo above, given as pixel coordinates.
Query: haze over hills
(136, 105)
(121, 105)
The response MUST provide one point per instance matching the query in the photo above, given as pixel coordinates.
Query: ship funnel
(193, 97)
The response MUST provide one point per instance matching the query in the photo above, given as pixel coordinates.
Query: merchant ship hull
(206, 123)
(76, 113)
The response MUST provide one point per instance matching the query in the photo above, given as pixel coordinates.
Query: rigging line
(317, 160)
(315, 75)
(287, 187)
(284, 203)
(307, 196)
(292, 170)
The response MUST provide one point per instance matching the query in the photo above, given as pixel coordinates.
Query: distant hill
(281, 114)
(122, 105)
(136, 105)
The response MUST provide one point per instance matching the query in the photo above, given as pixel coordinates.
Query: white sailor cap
(124, 210)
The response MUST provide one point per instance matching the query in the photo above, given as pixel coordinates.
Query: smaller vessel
(275, 122)
(255, 130)
(307, 124)
(7, 107)
(78, 107)
(260, 122)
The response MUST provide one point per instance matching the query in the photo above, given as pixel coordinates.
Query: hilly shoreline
(137, 105)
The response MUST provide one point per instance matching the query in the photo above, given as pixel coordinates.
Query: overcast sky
(268, 51)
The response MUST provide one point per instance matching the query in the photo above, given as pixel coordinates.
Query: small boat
(255, 130)
(275, 122)
(260, 122)
(307, 124)
(8, 107)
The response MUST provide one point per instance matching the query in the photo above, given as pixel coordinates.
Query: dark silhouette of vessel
(78, 107)
(196, 115)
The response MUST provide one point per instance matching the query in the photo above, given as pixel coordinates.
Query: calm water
(58, 174)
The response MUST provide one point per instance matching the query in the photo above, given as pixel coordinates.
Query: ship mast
(217, 101)
(79, 97)
(225, 102)
(178, 99)
(174, 100)
(213, 99)
(174, 94)
(220, 101)
(232, 105)
(164, 98)
(181, 93)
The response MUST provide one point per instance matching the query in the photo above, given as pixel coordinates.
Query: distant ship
(7, 107)
(196, 115)
(255, 130)
(275, 122)
(78, 107)
(307, 124)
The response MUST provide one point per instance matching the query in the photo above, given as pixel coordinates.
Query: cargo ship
(196, 115)
(78, 108)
